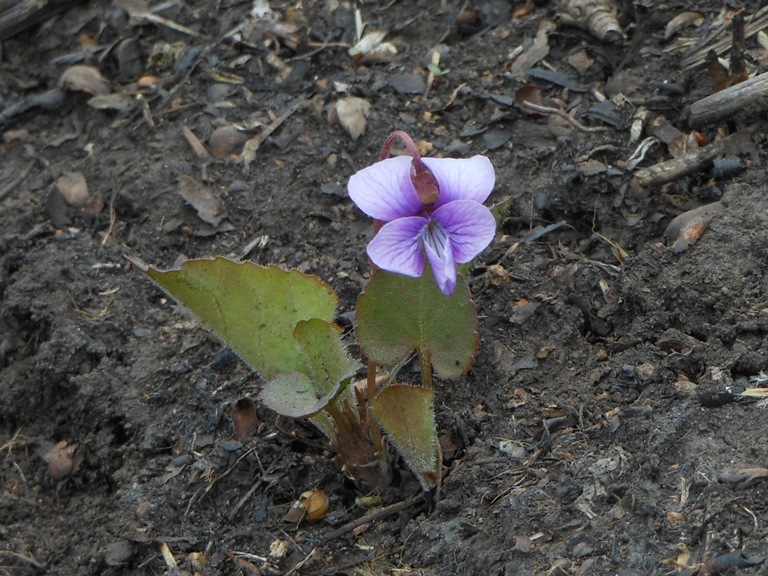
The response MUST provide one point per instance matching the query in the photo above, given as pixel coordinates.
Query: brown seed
(316, 505)
(225, 141)
(311, 506)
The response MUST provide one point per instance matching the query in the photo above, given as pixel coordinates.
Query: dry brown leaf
(686, 228)
(265, 26)
(581, 61)
(252, 146)
(209, 207)
(528, 93)
(683, 144)
(523, 544)
(372, 48)
(119, 102)
(352, 114)
(681, 21)
(537, 52)
(82, 78)
(195, 143)
(744, 475)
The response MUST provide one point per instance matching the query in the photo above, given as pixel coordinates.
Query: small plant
(438, 73)
(428, 218)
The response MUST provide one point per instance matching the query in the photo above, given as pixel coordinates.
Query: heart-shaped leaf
(251, 308)
(324, 354)
(405, 413)
(397, 313)
(294, 395)
(299, 395)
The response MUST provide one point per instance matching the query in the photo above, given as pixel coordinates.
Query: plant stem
(405, 139)
(371, 377)
(342, 423)
(425, 363)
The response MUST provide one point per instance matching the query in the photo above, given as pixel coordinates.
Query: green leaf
(251, 308)
(501, 210)
(324, 354)
(405, 413)
(397, 313)
(294, 395)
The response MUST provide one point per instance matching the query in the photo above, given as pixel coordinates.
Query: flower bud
(424, 182)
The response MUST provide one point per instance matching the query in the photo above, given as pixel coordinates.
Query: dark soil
(600, 430)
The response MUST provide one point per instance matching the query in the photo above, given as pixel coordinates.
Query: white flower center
(435, 236)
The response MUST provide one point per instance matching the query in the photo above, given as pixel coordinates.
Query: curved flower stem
(423, 180)
(405, 139)
(383, 155)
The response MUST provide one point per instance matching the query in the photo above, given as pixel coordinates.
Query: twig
(300, 564)
(19, 179)
(373, 516)
(28, 559)
(564, 115)
(245, 498)
(112, 213)
(697, 55)
(252, 145)
(160, 20)
(138, 10)
(319, 48)
(197, 495)
(26, 13)
(671, 170)
(723, 104)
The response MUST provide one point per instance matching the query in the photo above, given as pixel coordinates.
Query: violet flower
(451, 226)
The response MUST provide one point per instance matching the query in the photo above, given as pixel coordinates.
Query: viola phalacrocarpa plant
(429, 217)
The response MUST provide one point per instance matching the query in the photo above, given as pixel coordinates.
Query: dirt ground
(601, 430)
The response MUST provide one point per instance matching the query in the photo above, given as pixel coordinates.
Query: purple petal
(463, 179)
(396, 247)
(384, 190)
(438, 248)
(470, 227)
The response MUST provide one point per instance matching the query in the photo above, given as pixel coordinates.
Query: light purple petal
(463, 179)
(384, 190)
(470, 227)
(397, 246)
(438, 248)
